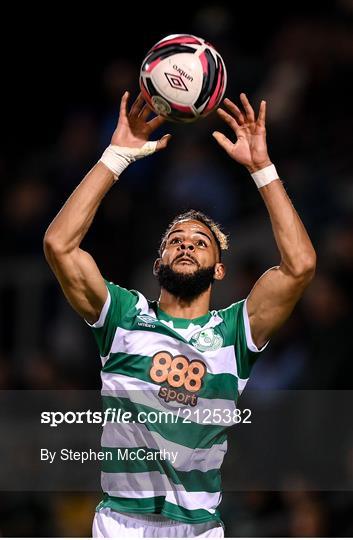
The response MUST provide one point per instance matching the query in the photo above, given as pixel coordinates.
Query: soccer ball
(183, 78)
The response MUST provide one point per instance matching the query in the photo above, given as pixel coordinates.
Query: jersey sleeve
(246, 352)
(118, 303)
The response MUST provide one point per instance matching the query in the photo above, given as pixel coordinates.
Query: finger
(228, 119)
(235, 110)
(223, 141)
(156, 122)
(145, 112)
(261, 119)
(249, 111)
(163, 142)
(137, 105)
(123, 104)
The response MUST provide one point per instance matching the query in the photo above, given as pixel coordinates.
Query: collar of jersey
(179, 322)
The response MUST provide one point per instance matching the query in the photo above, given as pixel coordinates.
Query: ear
(219, 271)
(156, 266)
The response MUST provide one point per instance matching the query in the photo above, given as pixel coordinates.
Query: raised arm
(75, 269)
(275, 294)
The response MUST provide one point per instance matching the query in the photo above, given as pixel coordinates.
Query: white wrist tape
(265, 176)
(117, 158)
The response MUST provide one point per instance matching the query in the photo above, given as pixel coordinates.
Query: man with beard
(174, 355)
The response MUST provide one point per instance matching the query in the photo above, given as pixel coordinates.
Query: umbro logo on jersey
(147, 321)
(206, 340)
(147, 318)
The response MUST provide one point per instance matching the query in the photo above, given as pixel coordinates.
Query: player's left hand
(134, 129)
(250, 148)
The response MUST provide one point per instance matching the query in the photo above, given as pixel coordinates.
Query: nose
(187, 246)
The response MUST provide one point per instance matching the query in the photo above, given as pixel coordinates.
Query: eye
(175, 240)
(201, 243)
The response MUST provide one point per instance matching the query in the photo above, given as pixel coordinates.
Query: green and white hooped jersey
(192, 369)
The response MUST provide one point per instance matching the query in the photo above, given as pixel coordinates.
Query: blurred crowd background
(64, 89)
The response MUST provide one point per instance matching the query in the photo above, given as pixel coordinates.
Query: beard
(183, 285)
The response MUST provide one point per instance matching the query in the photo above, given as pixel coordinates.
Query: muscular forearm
(296, 249)
(74, 219)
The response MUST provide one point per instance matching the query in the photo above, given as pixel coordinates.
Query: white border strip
(249, 340)
(102, 316)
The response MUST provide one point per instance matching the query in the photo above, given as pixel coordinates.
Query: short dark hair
(220, 237)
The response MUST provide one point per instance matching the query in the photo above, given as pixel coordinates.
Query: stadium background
(62, 80)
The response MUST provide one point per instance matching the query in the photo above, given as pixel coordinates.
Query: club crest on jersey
(206, 340)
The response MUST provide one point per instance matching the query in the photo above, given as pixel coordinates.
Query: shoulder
(229, 320)
(231, 313)
(236, 317)
(120, 301)
(125, 299)
(121, 293)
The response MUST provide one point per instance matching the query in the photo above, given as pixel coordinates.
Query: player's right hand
(134, 129)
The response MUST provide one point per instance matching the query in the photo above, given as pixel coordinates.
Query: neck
(185, 309)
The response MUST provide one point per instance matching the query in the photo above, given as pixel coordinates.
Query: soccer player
(175, 354)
